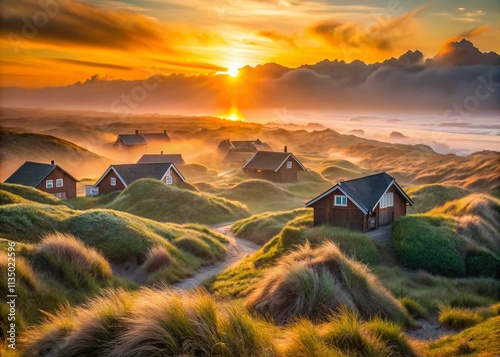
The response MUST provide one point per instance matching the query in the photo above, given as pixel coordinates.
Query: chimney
(162, 152)
(52, 162)
(137, 132)
(164, 131)
(285, 149)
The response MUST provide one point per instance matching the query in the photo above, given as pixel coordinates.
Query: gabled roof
(365, 192)
(141, 138)
(161, 158)
(238, 156)
(129, 173)
(270, 160)
(131, 139)
(32, 173)
(243, 145)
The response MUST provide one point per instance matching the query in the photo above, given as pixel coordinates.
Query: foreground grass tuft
(455, 318)
(315, 282)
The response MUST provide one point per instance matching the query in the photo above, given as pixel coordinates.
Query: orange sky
(65, 41)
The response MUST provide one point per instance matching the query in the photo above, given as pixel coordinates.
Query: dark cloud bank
(459, 76)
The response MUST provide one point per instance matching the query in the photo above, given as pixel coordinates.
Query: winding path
(237, 250)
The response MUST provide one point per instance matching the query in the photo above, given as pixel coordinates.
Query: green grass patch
(152, 199)
(455, 318)
(427, 197)
(262, 227)
(20, 193)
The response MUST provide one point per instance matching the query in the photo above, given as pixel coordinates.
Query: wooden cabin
(141, 139)
(361, 204)
(50, 178)
(162, 158)
(273, 166)
(118, 177)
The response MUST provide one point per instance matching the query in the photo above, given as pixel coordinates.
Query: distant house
(361, 204)
(118, 177)
(248, 146)
(141, 139)
(49, 178)
(235, 158)
(162, 158)
(273, 166)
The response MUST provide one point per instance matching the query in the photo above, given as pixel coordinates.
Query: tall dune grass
(315, 282)
(66, 256)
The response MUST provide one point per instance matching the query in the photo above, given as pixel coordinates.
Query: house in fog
(162, 158)
(118, 177)
(141, 139)
(273, 166)
(245, 146)
(236, 159)
(361, 204)
(49, 178)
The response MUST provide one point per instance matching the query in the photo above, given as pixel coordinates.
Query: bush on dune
(314, 282)
(429, 243)
(152, 199)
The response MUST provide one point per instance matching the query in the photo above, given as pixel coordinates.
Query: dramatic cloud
(381, 35)
(276, 37)
(77, 23)
(92, 64)
(470, 80)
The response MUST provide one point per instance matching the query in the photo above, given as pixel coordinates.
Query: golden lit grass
(427, 197)
(150, 323)
(313, 282)
(74, 263)
(20, 193)
(482, 339)
(158, 258)
(455, 318)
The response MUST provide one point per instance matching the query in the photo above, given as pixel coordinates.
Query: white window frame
(112, 181)
(387, 200)
(169, 180)
(59, 182)
(289, 164)
(343, 201)
(49, 184)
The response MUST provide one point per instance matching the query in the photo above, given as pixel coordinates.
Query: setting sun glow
(233, 71)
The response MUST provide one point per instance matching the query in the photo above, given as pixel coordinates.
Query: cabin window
(60, 194)
(59, 183)
(288, 164)
(387, 200)
(169, 180)
(49, 183)
(113, 181)
(341, 201)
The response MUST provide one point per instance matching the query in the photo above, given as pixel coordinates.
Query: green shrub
(483, 263)
(428, 243)
(458, 318)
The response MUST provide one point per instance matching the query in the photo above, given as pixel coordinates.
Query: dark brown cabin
(118, 177)
(273, 166)
(49, 178)
(361, 204)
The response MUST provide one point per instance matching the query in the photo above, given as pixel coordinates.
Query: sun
(233, 71)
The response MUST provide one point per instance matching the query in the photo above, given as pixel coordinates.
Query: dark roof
(243, 145)
(131, 139)
(269, 160)
(156, 136)
(129, 173)
(238, 156)
(32, 173)
(161, 158)
(141, 138)
(366, 191)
